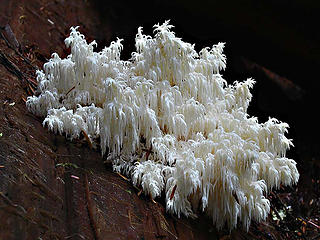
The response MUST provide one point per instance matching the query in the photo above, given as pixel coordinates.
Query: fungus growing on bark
(168, 120)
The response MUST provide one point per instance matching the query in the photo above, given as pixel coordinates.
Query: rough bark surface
(51, 188)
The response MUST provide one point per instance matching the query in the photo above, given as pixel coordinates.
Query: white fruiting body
(168, 120)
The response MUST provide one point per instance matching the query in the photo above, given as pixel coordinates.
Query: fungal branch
(168, 120)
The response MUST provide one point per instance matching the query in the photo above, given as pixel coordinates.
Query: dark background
(281, 36)
(52, 188)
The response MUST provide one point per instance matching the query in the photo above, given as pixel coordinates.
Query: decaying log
(290, 89)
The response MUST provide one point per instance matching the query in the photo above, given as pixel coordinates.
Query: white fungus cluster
(168, 120)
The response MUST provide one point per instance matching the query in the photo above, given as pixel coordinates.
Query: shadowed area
(52, 188)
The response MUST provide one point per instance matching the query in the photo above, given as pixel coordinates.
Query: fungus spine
(168, 120)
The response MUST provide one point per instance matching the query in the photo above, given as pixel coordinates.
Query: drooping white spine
(168, 120)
